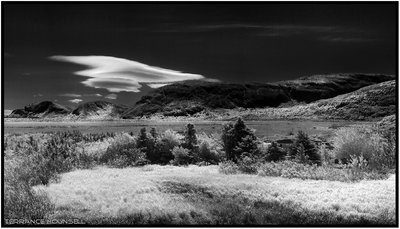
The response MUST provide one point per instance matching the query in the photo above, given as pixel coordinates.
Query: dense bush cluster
(377, 148)
(358, 153)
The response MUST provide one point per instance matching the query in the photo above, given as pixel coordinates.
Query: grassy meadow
(201, 174)
(155, 194)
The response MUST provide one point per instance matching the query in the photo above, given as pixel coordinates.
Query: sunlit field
(156, 194)
(330, 174)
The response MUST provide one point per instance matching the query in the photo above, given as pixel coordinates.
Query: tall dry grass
(154, 195)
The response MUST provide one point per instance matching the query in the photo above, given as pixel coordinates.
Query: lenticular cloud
(118, 74)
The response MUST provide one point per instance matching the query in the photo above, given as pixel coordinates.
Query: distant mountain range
(190, 98)
(40, 110)
(182, 99)
(90, 110)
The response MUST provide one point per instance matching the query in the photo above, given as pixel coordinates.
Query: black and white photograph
(271, 114)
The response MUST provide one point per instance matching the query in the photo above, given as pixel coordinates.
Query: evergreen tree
(153, 132)
(238, 139)
(304, 145)
(275, 153)
(142, 140)
(190, 140)
(228, 141)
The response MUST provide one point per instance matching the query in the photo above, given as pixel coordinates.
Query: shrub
(275, 153)
(20, 200)
(378, 149)
(237, 139)
(228, 167)
(292, 169)
(161, 151)
(94, 150)
(207, 155)
(181, 156)
(304, 150)
(57, 155)
(385, 158)
(127, 157)
(123, 152)
(248, 164)
(172, 138)
(327, 156)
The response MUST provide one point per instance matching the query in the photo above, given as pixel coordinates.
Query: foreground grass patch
(200, 195)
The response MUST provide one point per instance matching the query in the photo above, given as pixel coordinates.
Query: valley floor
(156, 194)
(270, 129)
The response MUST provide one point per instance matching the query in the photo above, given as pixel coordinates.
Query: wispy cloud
(37, 95)
(92, 95)
(345, 39)
(72, 95)
(318, 32)
(75, 100)
(111, 96)
(118, 74)
(154, 85)
(321, 33)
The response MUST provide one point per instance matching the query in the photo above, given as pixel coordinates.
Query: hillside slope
(182, 99)
(99, 110)
(368, 103)
(39, 110)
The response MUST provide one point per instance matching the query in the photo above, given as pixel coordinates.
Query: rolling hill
(40, 110)
(368, 103)
(334, 96)
(183, 99)
(99, 110)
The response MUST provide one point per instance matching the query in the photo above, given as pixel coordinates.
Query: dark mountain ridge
(38, 110)
(181, 99)
(368, 103)
(189, 98)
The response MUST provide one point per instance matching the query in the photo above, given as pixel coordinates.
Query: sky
(72, 53)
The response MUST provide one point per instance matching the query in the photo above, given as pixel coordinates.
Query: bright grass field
(156, 194)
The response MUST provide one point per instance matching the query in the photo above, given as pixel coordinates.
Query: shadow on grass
(217, 208)
(230, 209)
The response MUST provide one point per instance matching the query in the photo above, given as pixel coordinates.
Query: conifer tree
(238, 139)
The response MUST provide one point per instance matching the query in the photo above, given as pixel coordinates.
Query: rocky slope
(182, 99)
